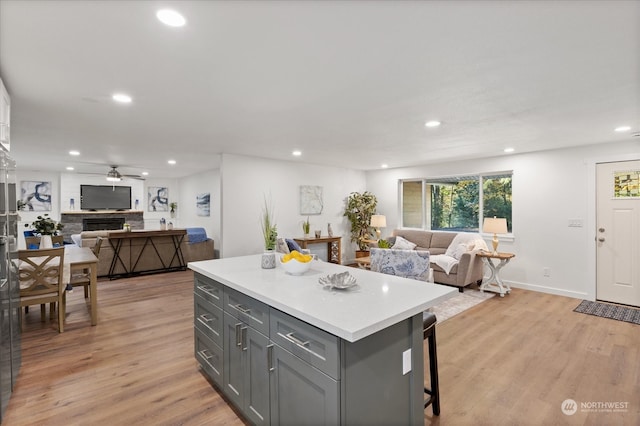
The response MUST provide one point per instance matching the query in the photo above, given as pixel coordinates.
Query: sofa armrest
(470, 269)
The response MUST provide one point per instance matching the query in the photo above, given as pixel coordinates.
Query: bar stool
(429, 327)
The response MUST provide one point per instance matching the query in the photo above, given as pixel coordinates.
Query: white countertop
(378, 301)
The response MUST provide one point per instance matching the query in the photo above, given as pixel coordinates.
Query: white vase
(45, 242)
(268, 259)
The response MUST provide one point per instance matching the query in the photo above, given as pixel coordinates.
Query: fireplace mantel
(72, 220)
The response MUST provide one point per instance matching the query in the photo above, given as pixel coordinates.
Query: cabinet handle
(242, 309)
(206, 318)
(205, 289)
(243, 338)
(203, 353)
(238, 333)
(270, 357)
(303, 345)
(290, 337)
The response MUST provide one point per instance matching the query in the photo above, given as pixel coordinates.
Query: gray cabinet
(245, 344)
(277, 369)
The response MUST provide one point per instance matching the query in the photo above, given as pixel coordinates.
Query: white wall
(246, 180)
(549, 188)
(190, 187)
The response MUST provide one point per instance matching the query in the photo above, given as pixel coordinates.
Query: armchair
(404, 263)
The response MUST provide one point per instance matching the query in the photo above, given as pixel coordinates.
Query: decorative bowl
(341, 281)
(293, 266)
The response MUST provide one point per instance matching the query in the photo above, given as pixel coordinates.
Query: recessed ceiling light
(69, 168)
(384, 166)
(509, 150)
(296, 153)
(171, 18)
(122, 98)
(172, 162)
(74, 152)
(432, 123)
(622, 129)
(145, 173)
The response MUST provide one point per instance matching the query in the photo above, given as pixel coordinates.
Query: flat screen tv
(105, 197)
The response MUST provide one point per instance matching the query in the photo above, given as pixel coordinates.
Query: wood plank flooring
(507, 361)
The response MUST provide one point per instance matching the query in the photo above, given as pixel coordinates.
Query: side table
(334, 249)
(494, 282)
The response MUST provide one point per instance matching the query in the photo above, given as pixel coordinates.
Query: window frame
(426, 198)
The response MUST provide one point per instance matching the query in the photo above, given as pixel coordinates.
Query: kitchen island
(285, 350)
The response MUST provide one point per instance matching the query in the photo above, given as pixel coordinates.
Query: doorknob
(600, 229)
(601, 239)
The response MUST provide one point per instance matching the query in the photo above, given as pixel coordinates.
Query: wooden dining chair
(81, 277)
(40, 273)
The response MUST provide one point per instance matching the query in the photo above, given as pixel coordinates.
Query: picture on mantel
(203, 204)
(36, 196)
(158, 198)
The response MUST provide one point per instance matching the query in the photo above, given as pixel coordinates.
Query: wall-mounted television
(105, 197)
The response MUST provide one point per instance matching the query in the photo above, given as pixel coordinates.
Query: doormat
(607, 310)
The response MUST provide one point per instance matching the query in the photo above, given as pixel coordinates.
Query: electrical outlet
(546, 271)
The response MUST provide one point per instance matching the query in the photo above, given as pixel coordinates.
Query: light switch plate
(406, 361)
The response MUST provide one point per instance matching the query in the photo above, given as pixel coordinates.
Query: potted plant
(306, 227)
(359, 209)
(45, 227)
(270, 234)
(173, 206)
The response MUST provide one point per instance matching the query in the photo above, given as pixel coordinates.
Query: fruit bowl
(294, 267)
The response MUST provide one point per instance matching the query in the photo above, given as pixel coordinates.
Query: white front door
(618, 232)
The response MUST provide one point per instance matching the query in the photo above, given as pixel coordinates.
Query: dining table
(80, 258)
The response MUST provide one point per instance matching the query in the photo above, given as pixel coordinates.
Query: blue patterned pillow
(292, 245)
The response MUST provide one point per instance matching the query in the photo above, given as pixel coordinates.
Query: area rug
(459, 303)
(607, 310)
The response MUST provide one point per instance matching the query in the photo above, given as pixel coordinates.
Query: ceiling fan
(115, 176)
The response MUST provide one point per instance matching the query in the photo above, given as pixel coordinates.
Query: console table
(334, 249)
(148, 252)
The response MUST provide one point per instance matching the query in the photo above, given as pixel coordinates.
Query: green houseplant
(359, 209)
(269, 229)
(44, 225)
(306, 227)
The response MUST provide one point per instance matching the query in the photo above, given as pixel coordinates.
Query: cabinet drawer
(209, 355)
(209, 289)
(247, 309)
(309, 343)
(208, 319)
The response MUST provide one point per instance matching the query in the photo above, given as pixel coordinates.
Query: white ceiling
(349, 83)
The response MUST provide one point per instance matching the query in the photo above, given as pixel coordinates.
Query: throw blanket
(196, 235)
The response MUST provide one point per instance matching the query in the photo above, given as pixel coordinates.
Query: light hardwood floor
(507, 361)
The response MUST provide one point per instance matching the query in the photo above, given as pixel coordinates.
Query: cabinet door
(233, 375)
(256, 404)
(300, 393)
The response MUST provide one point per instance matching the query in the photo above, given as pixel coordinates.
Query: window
(457, 203)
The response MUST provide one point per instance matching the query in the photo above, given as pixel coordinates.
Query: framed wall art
(35, 195)
(310, 200)
(158, 199)
(203, 204)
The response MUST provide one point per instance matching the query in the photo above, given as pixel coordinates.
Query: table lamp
(378, 221)
(495, 225)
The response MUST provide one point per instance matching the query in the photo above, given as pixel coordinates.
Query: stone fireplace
(76, 222)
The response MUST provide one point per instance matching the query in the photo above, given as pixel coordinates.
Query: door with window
(618, 232)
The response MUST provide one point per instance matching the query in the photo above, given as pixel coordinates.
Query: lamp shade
(494, 225)
(378, 221)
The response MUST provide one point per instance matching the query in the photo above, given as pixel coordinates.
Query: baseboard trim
(549, 290)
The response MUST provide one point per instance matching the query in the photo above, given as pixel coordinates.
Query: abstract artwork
(203, 204)
(36, 196)
(158, 199)
(310, 200)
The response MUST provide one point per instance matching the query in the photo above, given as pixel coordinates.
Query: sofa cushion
(196, 235)
(442, 239)
(402, 244)
(421, 238)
